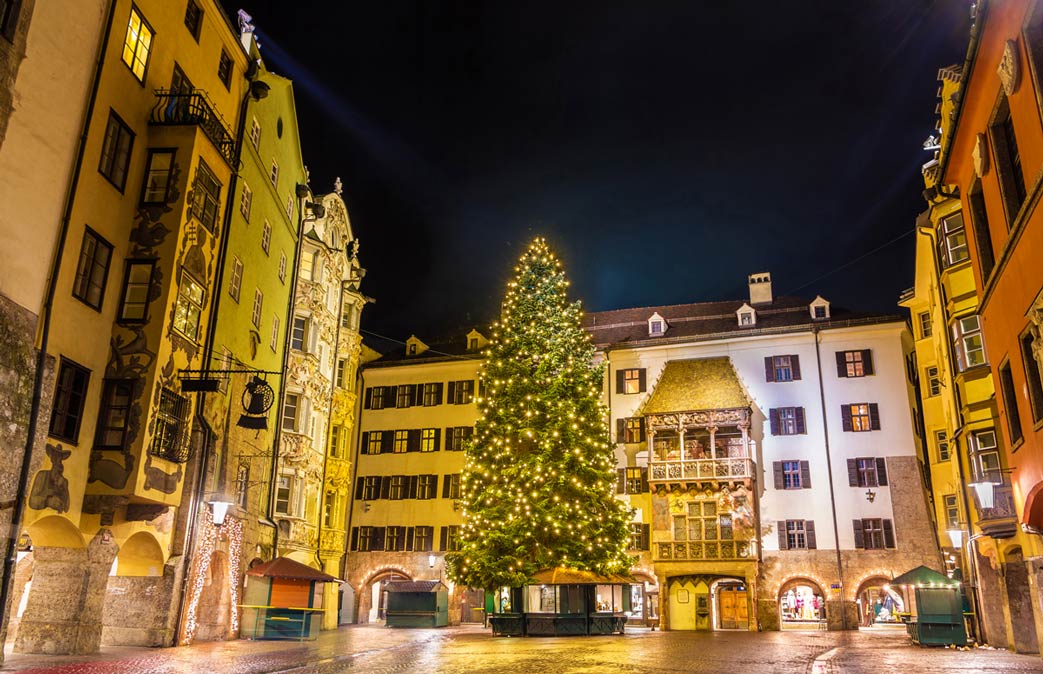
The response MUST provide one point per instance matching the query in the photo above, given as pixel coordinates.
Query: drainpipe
(360, 390)
(816, 333)
(18, 515)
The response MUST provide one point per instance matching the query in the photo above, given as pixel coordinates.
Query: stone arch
(1019, 599)
(877, 588)
(1033, 511)
(802, 602)
(140, 555)
(138, 595)
(369, 596)
(55, 531)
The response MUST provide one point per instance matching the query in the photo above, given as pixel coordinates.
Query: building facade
(993, 157)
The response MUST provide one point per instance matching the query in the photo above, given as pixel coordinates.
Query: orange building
(994, 156)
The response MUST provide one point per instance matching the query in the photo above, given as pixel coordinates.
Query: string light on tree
(540, 473)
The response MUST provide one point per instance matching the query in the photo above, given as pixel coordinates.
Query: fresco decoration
(50, 487)
(159, 480)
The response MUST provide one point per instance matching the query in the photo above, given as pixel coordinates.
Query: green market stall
(417, 603)
(936, 614)
(563, 601)
(283, 600)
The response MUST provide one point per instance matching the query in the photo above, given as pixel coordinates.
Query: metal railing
(194, 109)
(700, 469)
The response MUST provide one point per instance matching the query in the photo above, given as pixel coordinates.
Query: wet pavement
(473, 650)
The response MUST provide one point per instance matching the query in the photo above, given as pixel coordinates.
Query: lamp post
(219, 510)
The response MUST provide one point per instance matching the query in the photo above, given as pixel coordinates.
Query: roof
(438, 350)
(922, 575)
(714, 320)
(699, 384)
(562, 576)
(415, 586)
(284, 567)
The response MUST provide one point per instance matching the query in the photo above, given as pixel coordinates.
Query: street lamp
(220, 509)
(986, 491)
(956, 537)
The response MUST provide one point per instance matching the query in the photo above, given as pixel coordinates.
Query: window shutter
(641, 431)
(889, 534)
(621, 480)
(867, 361)
(874, 416)
(809, 534)
(379, 536)
(364, 449)
(641, 381)
(387, 442)
(644, 482)
(390, 396)
(413, 440)
(443, 538)
(359, 485)
(438, 439)
(777, 470)
(385, 486)
(841, 365)
(645, 536)
(795, 364)
(441, 389)
(845, 417)
(368, 400)
(619, 381)
(445, 486)
(410, 531)
(852, 473)
(414, 480)
(783, 539)
(805, 475)
(769, 369)
(621, 430)
(859, 540)
(773, 415)
(451, 397)
(801, 427)
(354, 539)
(881, 471)
(418, 394)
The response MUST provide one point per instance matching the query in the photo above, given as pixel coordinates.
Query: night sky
(666, 149)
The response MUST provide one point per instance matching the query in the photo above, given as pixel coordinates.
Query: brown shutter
(644, 481)
(451, 398)
(773, 415)
(889, 534)
(385, 486)
(645, 536)
(364, 449)
(867, 361)
(769, 369)
(845, 417)
(809, 534)
(783, 539)
(354, 538)
(776, 467)
(805, 475)
(874, 416)
(641, 380)
(410, 533)
(852, 473)
(378, 538)
(801, 426)
(641, 429)
(414, 481)
(841, 365)
(620, 381)
(445, 486)
(857, 527)
(881, 471)
(360, 483)
(413, 440)
(621, 480)
(441, 389)
(443, 538)
(387, 441)
(795, 364)
(390, 396)
(438, 439)
(621, 430)
(368, 399)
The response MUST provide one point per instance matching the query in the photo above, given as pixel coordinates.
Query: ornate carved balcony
(194, 109)
(700, 470)
(1001, 520)
(703, 550)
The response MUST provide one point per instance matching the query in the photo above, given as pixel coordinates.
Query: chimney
(760, 288)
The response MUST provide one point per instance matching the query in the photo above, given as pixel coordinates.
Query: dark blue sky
(666, 149)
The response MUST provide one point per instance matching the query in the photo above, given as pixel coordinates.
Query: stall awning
(562, 576)
(415, 586)
(923, 576)
(698, 384)
(284, 567)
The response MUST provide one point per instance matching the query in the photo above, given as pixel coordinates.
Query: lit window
(401, 442)
(274, 173)
(952, 240)
(632, 380)
(860, 417)
(375, 442)
(854, 366)
(189, 306)
(429, 440)
(655, 327)
(92, 269)
(235, 281)
(137, 44)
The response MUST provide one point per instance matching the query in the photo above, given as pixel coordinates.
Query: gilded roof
(698, 384)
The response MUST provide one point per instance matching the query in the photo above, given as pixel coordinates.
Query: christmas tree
(540, 474)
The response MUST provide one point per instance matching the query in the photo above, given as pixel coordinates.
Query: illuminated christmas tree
(540, 474)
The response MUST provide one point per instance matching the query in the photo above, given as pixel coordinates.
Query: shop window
(70, 395)
(137, 44)
(1010, 404)
(158, 173)
(860, 417)
(631, 380)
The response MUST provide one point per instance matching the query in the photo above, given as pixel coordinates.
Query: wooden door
(734, 610)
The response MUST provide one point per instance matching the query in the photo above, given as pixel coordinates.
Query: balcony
(702, 550)
(1001, 520)
(194, 109)
(700, 470)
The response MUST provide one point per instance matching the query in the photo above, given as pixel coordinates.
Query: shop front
(802, 605)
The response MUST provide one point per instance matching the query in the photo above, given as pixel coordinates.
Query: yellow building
(134, 288)
(958, 402)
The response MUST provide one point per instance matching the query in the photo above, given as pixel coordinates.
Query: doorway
(733, 606)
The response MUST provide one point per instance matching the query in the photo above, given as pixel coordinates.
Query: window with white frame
(985, 456)
(266, 237)
(273, 174)
(289, 206)
(273, 341)
(952, 240)
(246, 201)
(934, 382)
(285, 495)
(925, 324)
(941, 440)
(255, 133)
(429, 440)
(291, 412)
(235, 281)
(189, 306)
(967, 338)
(282, 267)
(401, 442)
(255, 315)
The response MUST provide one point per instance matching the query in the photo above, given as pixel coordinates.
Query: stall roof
(284, 567)
(562, 576)
(415, 586)
(922, 575)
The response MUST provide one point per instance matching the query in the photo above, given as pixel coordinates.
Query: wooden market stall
(283, 600)
(417, 603)
(563, 601)
(936, 614)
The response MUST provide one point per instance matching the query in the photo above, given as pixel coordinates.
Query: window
(985, 456)
(635, 480)
(273, 174)
(273, 340)
(299, 333)
(967, 338)
(193, 18)
(376, 397)
(854, 363)
(860, 417)
(1010, 404)
(70, 394)
(189, 306)
(432, 394)
(401, 442)
(639, 536)
(427, 486)
(291, 412)
(246, 201)
(472, 344)
(793, 474)
(255, 133)
(942, 442)
(137, 44)
(339, 373)
(952, 511)
(170, 440)
(450, 538)
(781, 368)
(235, 281)
(371, 487)
(404, 396)
(395, 539)
(255, 315)
(282, 267)
(158, 171)
(206, 195)
(224, 69)
(1008, 162)
(115, 151)
(820, 311)
(451, 486)
(423, 539)
(787, 421)
(9, 13)
(135, 298)
(630, 429)
(289, 206)
(92, 270)
(631, 380)
(284, 495)
(307, 264)
(397, 487)
(874, 534)
(370, 539)
(952, 240)
(746, 318)
(925, 325)
(429, 440)
(655, 327)
(349, 316)
(461, 392)
(1032, 376)
(242, 485)
(796, 535)
(116, 398)
(934, 382)
(457, 437)
(982, 234)
(702, 522)
(266, 237)
(867, 472)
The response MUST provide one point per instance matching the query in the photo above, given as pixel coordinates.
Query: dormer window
(472, 344)
(656, 325)
(747, 316)
(414, 346)
(412, 349)
(819, 308)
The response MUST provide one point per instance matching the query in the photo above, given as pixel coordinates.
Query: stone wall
(11, 55)
(136, 610)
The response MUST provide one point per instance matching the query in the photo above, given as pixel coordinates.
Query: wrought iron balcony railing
(194, 109)
(700, 469)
